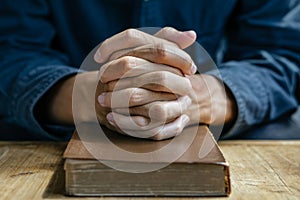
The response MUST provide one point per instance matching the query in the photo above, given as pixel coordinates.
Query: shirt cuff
(229, 76)
(40, 131)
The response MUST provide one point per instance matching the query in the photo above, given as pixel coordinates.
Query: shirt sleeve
(28, 67)
(262, 61)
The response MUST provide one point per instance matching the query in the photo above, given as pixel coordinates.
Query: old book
(200, 170)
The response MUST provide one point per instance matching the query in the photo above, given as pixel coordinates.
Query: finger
(171, 129)
(165, 54)
(131, 38)
(136, 126)
(140, 127)
(182, 39)
(127, 39)
(159, 111)
(125, 122)
(129, 66)
(132, 97)
(161, 81)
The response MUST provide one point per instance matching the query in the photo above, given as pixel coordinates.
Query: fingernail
(192, 34)
(185, 119)
(110, 118)
(193, 69)
(101, 99)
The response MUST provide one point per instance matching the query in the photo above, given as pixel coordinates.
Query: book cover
(94, 168)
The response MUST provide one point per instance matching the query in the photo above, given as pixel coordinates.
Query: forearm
(74, 100)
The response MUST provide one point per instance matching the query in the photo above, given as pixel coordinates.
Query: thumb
(182, 39)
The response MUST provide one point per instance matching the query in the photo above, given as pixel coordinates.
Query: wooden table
(259, 170)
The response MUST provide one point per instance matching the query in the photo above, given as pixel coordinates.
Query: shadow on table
(56, 186)
(285, 128)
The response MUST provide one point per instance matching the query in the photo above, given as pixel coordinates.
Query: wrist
(214, 100)
(55, 106)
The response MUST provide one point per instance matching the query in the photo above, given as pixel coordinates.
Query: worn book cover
(95, 168)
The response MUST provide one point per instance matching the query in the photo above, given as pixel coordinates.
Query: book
(200, 170)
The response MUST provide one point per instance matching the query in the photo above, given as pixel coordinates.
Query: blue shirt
(44, 41)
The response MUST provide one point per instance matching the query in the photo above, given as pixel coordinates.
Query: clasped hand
(148, 87)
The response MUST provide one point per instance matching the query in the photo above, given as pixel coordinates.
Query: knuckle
(130, 34)
(142, 122)
(166, 32)
(126, 63)
(168, 29)
(161, 51)
(159, 112)
(136, 96)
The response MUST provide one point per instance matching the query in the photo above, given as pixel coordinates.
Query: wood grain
(259, 169)
(265, 169)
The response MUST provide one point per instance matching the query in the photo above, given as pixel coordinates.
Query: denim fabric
(43, 41)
